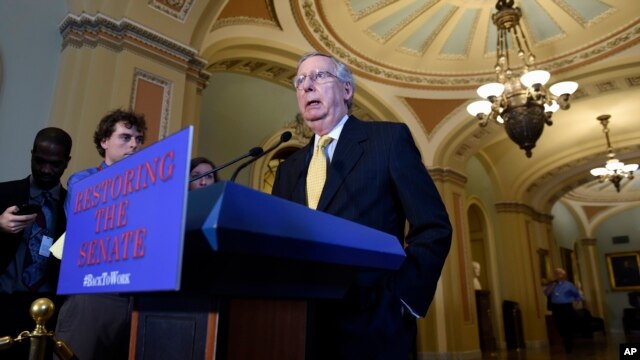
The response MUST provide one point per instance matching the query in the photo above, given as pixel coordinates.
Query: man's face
(48, 162)
(322, 103)
(123, 142)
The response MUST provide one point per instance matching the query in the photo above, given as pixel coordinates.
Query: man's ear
(348, 90)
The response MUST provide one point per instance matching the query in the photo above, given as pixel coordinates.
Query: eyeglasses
(316, 76)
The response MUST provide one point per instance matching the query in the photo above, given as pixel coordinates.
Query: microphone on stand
(286, 136)
(256, 151)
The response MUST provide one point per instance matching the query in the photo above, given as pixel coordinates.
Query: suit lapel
(347, 153)
(299, 193)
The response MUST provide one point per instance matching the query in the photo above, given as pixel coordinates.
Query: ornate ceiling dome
(451, 43)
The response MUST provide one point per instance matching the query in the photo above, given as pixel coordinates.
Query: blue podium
(250, 263)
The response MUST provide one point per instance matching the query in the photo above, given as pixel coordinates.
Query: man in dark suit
(375, 177)
(27, 270)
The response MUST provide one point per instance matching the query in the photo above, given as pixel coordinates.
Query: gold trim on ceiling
(316, 27)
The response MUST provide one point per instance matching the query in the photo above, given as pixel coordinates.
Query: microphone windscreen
(256, 151)
(286, 136)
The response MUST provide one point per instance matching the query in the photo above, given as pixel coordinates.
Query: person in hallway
(198, 166)
(97, 326)
(374, 177)
(562, 294)
(27, 271)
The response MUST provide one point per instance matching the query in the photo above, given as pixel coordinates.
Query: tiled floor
(599, 348)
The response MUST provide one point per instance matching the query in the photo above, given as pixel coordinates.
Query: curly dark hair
(107, 126)
(203, 160)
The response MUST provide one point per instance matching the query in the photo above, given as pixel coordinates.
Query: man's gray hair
(561, 270)
(343, 73)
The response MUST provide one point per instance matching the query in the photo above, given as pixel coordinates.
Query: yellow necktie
(317, 173)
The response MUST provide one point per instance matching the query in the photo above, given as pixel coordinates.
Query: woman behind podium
(198, 166)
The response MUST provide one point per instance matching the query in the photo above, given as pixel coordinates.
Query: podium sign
(125, 228)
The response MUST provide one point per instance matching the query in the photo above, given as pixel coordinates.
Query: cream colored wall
(239, 112)
(451, 326)
(97, 78)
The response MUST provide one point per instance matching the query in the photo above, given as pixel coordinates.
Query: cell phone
(28, 209)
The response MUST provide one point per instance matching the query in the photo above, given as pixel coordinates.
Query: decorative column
(450, 328)
(523, 231)
(590, 270)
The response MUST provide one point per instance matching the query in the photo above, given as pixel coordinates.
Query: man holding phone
(32, 215)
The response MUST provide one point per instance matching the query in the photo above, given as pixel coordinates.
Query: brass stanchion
(41, 310)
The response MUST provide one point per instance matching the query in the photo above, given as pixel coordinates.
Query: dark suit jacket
(16, 193)
(377, 178)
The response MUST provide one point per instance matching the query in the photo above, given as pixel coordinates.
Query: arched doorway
(483, 285)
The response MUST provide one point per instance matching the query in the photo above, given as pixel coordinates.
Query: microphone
(286, 136)
(256, 151)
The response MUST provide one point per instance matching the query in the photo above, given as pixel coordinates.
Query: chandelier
(519, 100)
(614, 170)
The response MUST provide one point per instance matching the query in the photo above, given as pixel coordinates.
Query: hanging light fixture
(614, 170)
(519, 99)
